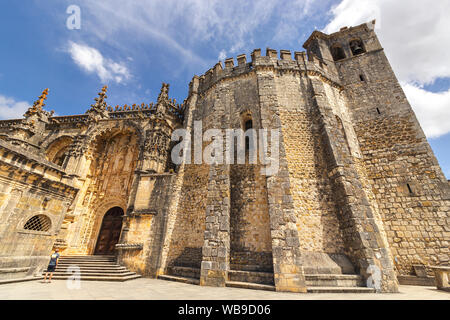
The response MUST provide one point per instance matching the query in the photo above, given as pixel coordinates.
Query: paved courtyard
(152, 289)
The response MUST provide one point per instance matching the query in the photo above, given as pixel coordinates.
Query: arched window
(38, 223)
(250, 140)
(337, 52)
(357, 47)
(57, 151)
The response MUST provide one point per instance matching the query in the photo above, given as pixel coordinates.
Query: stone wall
(187, 237)
(250, 240)
(317, 219)
(29, 187)
(407, 181)
(143, 235)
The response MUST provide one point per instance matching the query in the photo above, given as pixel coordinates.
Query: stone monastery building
(359, 197)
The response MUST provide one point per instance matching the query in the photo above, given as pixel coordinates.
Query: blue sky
(134, 46)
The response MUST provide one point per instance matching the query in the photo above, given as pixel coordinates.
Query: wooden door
(109, 232)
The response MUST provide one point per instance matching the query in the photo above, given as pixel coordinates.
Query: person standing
(52, 266)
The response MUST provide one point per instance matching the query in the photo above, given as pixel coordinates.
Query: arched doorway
(109, 232)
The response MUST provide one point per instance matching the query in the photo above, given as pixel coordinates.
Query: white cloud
(180, 25)
(222, 55)
(92, 61)
(351, 12)
(433, 109)
(12, 109)
(415, 36)
(188, 31)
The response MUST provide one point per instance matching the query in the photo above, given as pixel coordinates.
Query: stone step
(185, 272)
(89, 264)
(179, 279)
(90, 269)
(98, 270)
(333, 280)
(88, 257)
(114, 267)
(249, 285)
(97, 274)
(340, 290)
(416, 281)
(100, 278)
(94, 268)
(259, 286)
(76, 263)
(102, 263)
(87, 260)
(251, 276)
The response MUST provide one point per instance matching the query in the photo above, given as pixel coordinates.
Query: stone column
(361, 228)
(288, 272)
(216, 247)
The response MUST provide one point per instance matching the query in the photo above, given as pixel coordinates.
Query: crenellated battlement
(319, 59)
(282, 61)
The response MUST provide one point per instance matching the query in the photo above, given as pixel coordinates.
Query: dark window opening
(362, 78)
(357, 47)
(60, 160)
(248, 125)
(338, 53)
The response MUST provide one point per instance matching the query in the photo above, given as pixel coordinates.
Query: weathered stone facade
(358, 190)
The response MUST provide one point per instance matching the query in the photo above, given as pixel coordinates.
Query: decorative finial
(164, 94)
(38, 104)
(99, 110)
(100, 101)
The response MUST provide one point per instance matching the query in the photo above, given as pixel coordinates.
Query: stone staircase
(336, 283)
(316, 283)
(182, 274)
(94, 268)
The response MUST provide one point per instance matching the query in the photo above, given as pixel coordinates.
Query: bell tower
(401, 167)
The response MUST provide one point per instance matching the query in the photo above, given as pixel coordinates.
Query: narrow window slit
(409, 188)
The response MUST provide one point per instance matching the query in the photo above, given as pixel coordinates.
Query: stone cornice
(36, 180)
(37, 160)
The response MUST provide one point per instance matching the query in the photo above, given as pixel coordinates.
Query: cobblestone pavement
(152, 289)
